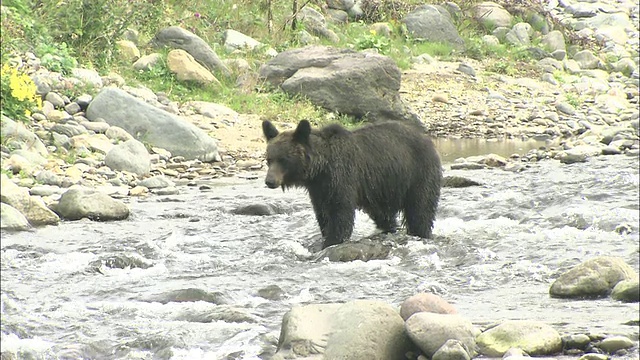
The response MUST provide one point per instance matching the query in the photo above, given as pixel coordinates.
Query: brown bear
(382, 169)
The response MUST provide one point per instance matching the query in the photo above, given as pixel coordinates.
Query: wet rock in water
(593, 356)
(593, 278)
(467, 166)
(12, 219)
(189, 295)
(452, 350)
(271, 292)
(534, 337)
(425, 302)
(430, 331)
(77, 203)
(167, 191)
(614, 343)
(119, 262)
(226, 313)
(258, 210)
(626, 291)
(577, 341)
(458, 182)
(571, 157)
(363, 250)
(156, 182)
(357, 330)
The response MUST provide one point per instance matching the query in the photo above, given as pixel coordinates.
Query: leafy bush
(56, 57)
(18, 92)
(373, 41)
(92, 27)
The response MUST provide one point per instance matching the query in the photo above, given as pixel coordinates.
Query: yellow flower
(18, 92)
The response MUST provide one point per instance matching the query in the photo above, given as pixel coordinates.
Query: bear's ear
(269, 130)
(302, 132)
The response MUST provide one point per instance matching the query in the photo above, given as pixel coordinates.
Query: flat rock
(533, 337)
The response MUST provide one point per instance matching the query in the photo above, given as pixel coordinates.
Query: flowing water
(126, 289)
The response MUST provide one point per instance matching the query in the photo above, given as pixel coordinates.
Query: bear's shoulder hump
(334, 130)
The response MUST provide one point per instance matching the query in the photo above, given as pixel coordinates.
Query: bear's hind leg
(420, 213)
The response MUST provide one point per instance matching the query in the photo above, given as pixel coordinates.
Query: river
(124, 290)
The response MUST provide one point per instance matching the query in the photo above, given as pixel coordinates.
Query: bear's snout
(271, 183)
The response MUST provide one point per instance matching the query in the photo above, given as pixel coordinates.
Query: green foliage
(56, 57)
(573, 100)
(19, 27)
(502, 67)
(92, 27)
(434, 48)
(373, 41)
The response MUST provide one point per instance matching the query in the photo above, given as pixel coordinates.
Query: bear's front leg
(339, 224)
(335, 214)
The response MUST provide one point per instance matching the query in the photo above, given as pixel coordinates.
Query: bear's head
(288, 155)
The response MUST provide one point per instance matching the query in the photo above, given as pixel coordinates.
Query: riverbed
(185, 278)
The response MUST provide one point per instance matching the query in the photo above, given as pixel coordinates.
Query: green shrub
(372, 40)
(56, 57)
(92, 27)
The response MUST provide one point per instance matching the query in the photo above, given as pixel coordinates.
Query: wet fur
(382, 169)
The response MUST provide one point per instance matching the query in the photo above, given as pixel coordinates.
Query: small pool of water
(451, 148)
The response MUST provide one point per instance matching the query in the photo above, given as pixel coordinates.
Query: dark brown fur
(382, 169)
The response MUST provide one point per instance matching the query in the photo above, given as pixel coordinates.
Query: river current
(186, 278)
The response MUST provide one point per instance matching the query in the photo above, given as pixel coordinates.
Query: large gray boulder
(342, 80)
(152, 125)
(533, 337)
(593, 278)
(358, 330)
(433, 23)
(179, 38)
(77, 203)
(12, 219)
(130, 156)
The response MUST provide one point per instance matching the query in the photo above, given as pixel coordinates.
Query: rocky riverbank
(428, 327)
